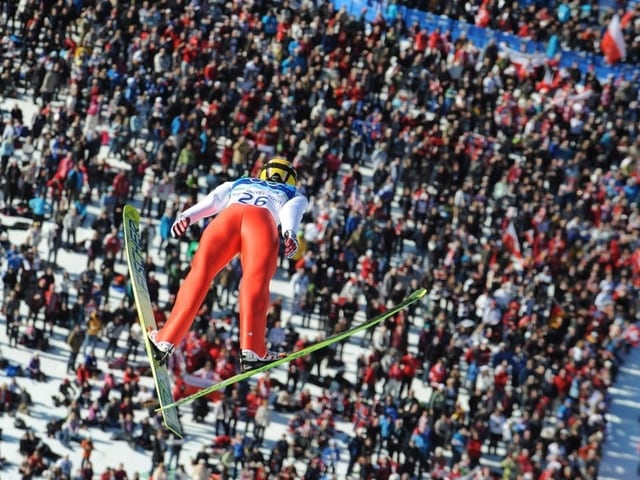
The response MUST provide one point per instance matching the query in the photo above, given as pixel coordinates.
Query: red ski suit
(248, 212)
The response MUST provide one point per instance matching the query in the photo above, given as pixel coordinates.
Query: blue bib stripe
(289, 190)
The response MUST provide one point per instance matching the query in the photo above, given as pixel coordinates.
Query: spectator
(174, 445)
(33, 369)
(75, 340)
(71, 222)
(113, 332)
(70, 429)
(40, 208)
(201, 470)
(65, 466)
(133, 341)
(87, 448)
(54, 243)
(261, 420)
(158, 448)
(94, 328)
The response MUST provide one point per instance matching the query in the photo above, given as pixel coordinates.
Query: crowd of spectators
(511, 195)
(563, 25)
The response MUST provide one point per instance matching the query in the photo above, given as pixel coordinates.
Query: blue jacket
(39, 206)
(165, 227)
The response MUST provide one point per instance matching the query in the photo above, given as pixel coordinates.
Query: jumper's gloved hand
(180, 226)
(290, 243)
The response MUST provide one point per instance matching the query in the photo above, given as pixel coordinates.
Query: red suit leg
(259, 259)
(219, 243)
(252, 232)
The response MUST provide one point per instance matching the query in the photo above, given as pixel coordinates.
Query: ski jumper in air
(247, 213)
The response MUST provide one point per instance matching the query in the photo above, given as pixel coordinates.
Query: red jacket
(474, 448)
(409, 366)
(370, 375)
(121, 185)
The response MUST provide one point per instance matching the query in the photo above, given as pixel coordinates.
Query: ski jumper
(248, 211)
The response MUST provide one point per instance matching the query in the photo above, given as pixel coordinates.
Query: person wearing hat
(248, 212)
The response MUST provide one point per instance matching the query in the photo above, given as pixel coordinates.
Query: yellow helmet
(279, 169)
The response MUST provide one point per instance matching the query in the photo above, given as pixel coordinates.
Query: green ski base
(131, 225)
(411, 299)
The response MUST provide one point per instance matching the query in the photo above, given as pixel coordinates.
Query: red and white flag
(451, 254)
(613, 46)
(483, 17)
(511, 242)
(547, 83)
(523, 63)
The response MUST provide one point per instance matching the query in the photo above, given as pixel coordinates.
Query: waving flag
(511, 242)
(613, 46)
(512, 245)
(523, 63)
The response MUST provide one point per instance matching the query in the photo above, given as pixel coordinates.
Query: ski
(411, 299)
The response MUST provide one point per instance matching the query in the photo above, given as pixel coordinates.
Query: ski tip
(131, 211)
(419, 293)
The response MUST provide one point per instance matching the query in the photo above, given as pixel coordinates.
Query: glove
(180, 226)
(290, 243)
